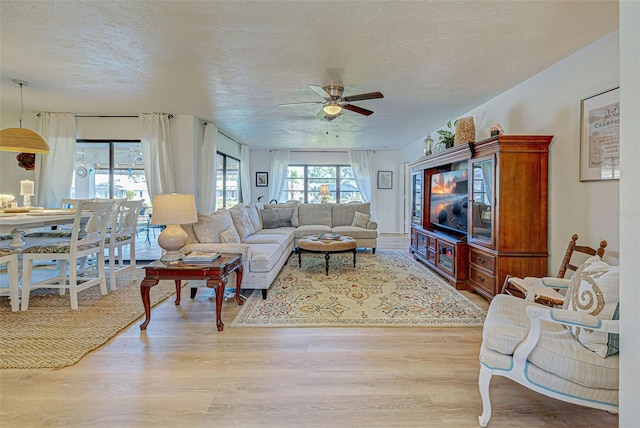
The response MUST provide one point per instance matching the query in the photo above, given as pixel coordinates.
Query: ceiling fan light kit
(332, 109)
(333, 101)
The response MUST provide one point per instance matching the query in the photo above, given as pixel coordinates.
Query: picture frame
(262, 179)
(600, 136)
(385, 179)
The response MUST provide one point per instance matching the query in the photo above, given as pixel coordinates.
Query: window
(227, 181)
(303, 183)
(109, 170)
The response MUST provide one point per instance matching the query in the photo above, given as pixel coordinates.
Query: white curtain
(277, 181)
(54, 171)
(362, 164)
(245, 173)
(206, 201)
(155, 138)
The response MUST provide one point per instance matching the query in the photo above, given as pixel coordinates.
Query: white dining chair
(11, 288)
(67, 252)
(120, 233)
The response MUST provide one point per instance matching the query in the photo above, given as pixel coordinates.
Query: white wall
(390, 208)
(549, 103)
(629, 213)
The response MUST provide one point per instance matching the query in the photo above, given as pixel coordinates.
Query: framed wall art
(385, 179)
(262, 179)
(600, 136)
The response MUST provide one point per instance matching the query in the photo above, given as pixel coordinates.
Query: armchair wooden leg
(483, 384)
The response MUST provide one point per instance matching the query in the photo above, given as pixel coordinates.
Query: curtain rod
(107, 115)
(319, 151)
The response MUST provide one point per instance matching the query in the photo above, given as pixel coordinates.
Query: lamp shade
(324, 190)
(174, 208)
(22, 140)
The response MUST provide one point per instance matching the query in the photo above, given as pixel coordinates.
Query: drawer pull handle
(480, 279)
(481, 260)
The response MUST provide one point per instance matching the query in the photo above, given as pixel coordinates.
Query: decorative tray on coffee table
(329, 236)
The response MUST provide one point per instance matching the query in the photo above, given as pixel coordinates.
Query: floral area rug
(388, 288)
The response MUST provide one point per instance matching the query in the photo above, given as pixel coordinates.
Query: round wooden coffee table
(315, 244)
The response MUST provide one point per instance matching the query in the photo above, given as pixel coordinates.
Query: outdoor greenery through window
(227, 181)
(303, 184)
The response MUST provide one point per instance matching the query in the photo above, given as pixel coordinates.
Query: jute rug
(52, 335)
(388, 288)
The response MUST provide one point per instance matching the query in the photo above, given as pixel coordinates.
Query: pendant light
(22, 140)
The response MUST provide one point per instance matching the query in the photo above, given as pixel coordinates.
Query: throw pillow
(241, 221)
(229, 236)
(270, 219)
(360, 219)
(209, 227)
(594, 290)
(254, 216)
(285, 215)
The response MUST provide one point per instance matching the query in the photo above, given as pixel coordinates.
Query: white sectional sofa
(265, 235)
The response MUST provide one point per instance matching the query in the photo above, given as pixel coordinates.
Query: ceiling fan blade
(320, 91)
(361, 97)
(320, 116)
(357, 109)
(300, 104)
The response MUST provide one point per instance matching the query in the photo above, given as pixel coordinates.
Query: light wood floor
(182, 373)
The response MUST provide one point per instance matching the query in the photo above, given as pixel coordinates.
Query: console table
(215, 274)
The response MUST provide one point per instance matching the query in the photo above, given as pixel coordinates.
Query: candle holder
(26, 201)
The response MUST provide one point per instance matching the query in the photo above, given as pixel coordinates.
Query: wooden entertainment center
(479, 211)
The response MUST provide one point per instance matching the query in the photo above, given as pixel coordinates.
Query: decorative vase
(465, 130)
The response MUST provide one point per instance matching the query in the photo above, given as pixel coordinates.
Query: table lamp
(173, 210)
(324, 192)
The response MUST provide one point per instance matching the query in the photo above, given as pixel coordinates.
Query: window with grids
(303, 184)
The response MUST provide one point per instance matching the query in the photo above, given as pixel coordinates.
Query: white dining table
(18, 222)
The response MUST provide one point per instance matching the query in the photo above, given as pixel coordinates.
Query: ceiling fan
(333, 102)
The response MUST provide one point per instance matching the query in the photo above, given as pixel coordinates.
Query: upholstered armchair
(567, 353)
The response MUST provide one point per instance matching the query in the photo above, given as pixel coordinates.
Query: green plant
(447, 135)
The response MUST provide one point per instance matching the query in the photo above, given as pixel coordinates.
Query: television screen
(449, 200)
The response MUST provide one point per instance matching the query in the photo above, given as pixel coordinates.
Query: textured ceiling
(233, 62)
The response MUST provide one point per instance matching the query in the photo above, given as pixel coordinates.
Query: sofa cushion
(594, 290)
(360, 219)
(270, 238)
(355, 232)
(343, 214)
(242, 221)
(191, 235)
(315, 214)
(264, 257)
(229, 236)
(254, 215)
(209, 227)
(557, 350)
(311, 230)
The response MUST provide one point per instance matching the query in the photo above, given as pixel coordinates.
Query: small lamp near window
(173, 210)
(324, 192)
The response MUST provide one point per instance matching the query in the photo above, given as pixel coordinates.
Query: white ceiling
(233, 62)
